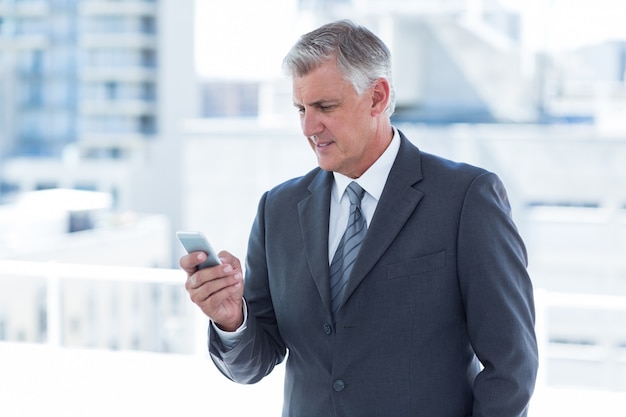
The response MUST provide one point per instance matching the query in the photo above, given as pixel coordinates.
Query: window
(31, 61)
(30, 26)
(32, 92)
(46, 186)
(148, 24)
(622, 62)
(148, 91)
(230, 100)
(147, 125)
(148, 58)
(111, 90)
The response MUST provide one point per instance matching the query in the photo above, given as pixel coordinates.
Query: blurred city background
(122, 121)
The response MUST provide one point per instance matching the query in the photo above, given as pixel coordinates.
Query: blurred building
(93, 93)
(455, 61)
(100, 307)
(80, 73)
(586, 84)
(74, 226)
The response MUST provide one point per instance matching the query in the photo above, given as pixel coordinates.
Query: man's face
(339, 125)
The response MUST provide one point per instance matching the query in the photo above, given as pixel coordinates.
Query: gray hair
(361, 56)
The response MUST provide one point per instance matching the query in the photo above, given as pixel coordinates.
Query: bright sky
(247, 39)
(243, 38)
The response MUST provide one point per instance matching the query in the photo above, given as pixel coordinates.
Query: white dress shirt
(372, 181)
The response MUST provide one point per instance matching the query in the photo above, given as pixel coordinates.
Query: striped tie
(348, 249)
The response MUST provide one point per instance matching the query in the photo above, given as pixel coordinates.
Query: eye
(326, 108)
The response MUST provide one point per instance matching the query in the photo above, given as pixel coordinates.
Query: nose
(310, 123)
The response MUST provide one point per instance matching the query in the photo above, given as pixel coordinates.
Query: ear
(380, 96)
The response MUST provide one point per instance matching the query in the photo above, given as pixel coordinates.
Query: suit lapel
(314, 212)
(397, 203)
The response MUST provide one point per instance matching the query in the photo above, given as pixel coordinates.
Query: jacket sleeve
(498, 297)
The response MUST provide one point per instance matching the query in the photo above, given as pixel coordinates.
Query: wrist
(231, 327)
(237, 323)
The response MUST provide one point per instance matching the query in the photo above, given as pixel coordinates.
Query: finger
(226, 313)
(231, 292)
(216, 293)
(227, 258)
(191, 261)
(213, 279)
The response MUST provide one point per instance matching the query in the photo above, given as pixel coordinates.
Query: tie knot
(355, 193)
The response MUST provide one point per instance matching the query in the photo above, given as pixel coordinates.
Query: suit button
(339, 385)
(328, 329)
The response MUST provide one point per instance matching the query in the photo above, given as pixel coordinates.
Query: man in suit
(436, 317)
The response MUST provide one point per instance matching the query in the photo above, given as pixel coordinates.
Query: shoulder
(296, 189)
(449, 169)
(297, 184)
(435, 169)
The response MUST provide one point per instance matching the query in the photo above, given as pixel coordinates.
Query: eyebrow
(318, 103)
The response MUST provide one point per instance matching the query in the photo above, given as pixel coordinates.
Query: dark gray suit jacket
(438, 319)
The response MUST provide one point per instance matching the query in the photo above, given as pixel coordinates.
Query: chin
(323, 164)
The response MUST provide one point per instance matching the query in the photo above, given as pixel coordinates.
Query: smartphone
(197, 242)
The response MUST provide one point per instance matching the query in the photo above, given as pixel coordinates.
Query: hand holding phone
(197, 242)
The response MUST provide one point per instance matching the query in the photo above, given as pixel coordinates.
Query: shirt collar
(373, 180)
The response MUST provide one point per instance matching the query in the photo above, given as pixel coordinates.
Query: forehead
(324, 82)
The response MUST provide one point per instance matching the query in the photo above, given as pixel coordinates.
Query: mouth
(320, 145)
(323, 145)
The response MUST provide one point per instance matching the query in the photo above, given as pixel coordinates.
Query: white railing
(183, 384)
(598, 343)
(58, 277)
(607, 350)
